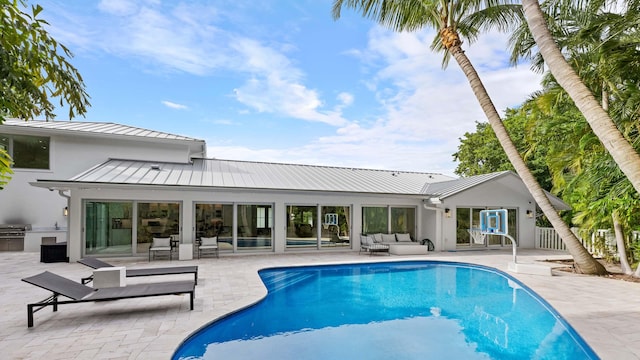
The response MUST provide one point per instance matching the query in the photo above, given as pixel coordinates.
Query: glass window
(302, 229)
(254, 230)
(468, 219)
(108, 228)
(336, 227)
(28, 152)
(4, 142)
(403, 220)
(389, 220)
(463, 225)
(215, 220)
(375, 220)
(157, 220)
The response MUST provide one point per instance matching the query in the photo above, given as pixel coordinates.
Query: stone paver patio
(605, 312)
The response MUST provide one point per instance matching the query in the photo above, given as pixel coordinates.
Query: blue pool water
(399, 310)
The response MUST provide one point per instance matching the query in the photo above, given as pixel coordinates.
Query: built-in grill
(12, 236)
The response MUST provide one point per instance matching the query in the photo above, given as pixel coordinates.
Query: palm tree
(453, 20)
(620, 149)
(601, 49)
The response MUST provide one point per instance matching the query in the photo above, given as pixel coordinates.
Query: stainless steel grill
(12, 236)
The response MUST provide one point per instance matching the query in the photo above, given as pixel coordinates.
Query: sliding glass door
(389, 220)
(157, 219)
(108, 228)
(468, 227)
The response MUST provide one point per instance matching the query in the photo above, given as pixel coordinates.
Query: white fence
(547, 238)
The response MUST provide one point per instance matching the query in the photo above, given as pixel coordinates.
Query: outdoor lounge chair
(367, 244)
(169, 270)
(79, 293)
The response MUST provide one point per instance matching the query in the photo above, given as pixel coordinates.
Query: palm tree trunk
(621, 244)
(585, 263)
(620, 149)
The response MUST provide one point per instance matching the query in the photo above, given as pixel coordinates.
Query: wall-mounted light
(65, 211)
(529, 214)
(447, 212)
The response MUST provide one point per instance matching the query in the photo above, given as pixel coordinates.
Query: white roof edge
(89, 129)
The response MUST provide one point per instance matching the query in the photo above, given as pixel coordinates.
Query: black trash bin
(51, 253)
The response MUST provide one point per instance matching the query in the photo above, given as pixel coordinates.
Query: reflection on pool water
(398, 310)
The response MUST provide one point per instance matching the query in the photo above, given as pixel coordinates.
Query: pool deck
(606, 312)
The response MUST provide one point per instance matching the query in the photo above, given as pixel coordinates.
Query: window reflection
(157, 220)
(254, 227)
(336, 227)
(302, 231)
(108, 228)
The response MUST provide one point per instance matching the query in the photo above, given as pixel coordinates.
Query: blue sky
(280, 80)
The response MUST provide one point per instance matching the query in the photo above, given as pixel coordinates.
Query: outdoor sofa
(402, 244)
(79, 293)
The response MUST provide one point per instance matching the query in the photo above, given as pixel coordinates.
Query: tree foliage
(480, 152)
(34, 72)
(34, 69)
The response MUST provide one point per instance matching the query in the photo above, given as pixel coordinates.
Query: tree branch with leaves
(34, 72)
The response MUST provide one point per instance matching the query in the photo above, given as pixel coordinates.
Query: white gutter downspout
(441, 211)
(68, 197)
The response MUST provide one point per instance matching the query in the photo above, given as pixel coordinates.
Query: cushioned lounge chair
(169, 270)
(367, 244)
(79, 293)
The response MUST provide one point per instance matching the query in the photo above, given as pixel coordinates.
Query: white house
(125, 186)
(61, 149)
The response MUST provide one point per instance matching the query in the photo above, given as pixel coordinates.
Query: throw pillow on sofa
(387, 238)
(403, 237)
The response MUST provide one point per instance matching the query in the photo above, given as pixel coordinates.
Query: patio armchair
(160, 245)
(208, 244)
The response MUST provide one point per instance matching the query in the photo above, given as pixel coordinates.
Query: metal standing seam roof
(95, 128)
(257, 175)
(445, 189)
(230, 174)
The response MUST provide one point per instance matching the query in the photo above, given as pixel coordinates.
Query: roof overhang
(61, 185)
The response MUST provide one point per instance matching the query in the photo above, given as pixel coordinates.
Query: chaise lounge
(79, 293)
(169, 270)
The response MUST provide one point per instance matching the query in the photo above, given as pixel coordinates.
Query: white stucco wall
(507, 192)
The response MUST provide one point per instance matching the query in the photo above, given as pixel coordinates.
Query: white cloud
(345, 100)
(186, 38)
(118, 7)
(426, 109)
(173, 105)
(277, 86)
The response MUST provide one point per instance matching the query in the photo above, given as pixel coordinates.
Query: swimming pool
(391, 310)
